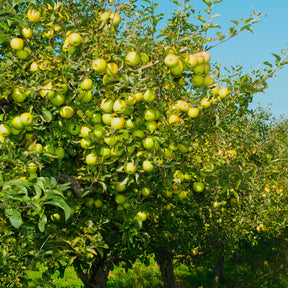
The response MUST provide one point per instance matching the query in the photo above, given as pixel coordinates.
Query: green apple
(129, 123)
(60, 152)
(49, 149)
(27, 32)
(107, 118)
(66, 112)
(74, 128)
(85, 131)
(117, 151)
(23, 54)
(208, 80)
(98, 131)
(130, 168)
(55, 217)
(5, 130)
(206, 56)
(132, 58)
(193, 112)
(34, 66)
(111, 140)
(138, 133)
(178, 69)
(149, 95)
(199, 69)
(191, 61)
(120, 187)
(74, 39)
(148, 143)
(115, 18)
(26, 119)
(117, 123)
(99, 66)
(86, 84)
(171, 60)
(98, 203)
(107, 105)
(138, 96)
(17, 123)
(119, 106)
(182, 195)
(150, 114)
(207, 68)
(197, 80)
(85, 143)
(120, 199)
(141, 216)
(147, 166)
(105, 152)
(96, 118)
(58, 99)
(89, 202)
(112, 69)
(17, 43)
(145, 192)
(91, 159)
(33, 15)
(144, 58)
(19, 95)
(151, 126)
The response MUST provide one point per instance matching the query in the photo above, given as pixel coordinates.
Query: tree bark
(164, 258)
(218, 271)
(97, 276)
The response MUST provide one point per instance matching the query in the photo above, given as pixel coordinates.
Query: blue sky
(251, 50)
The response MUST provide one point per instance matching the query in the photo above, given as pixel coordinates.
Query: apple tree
(95, 97)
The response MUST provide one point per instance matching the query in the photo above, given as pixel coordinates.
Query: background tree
(135, 121)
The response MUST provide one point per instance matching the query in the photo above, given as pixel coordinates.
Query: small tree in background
(141, 126)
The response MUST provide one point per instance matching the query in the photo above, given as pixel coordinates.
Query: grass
(70, 279)
(141, 276)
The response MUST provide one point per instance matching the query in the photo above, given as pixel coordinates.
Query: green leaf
(100, 251)
(201, 18)
(61, 204)
(214, 25)
(268, 64)
(215, 16)
(217, 1)
(38, 191)
(52, 193)
(218, 121)
(6, 11)
(42, 223)
(235, 22)
(2, 37)
(16, 182)
(208, 2)
(47, 115)
(278, 58)
(14, 217)
(175, 2)
(16, 197)
(15, 2)
(220, 36)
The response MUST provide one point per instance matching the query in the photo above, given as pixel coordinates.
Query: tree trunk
(218, 271)
(164, 259)
(97, 276)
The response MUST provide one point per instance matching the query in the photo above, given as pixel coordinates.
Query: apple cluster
(117, 132)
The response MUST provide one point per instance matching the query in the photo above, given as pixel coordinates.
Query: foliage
(146, 147)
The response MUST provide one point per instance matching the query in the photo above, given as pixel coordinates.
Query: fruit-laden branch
(5, 106)
(76, 187)
(183, 50)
